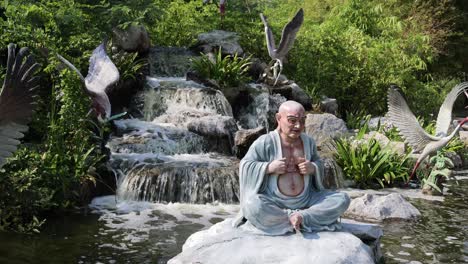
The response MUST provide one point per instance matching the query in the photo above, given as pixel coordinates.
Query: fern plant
(228, 71)
(356, 119)
(129, 65)
(368, 164)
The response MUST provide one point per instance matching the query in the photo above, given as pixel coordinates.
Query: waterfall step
(203, 134)
(136, 136)
(187, 178)
(175, 95)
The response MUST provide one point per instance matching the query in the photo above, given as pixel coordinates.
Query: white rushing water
(136, 221)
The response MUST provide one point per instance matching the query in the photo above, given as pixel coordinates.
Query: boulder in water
(224, 244)
(377, 208)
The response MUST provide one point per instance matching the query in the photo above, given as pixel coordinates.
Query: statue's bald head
(290, 106)
(291, 120)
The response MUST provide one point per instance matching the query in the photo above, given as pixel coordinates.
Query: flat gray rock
(407, 193)
(224, 244)
(378, 208)
(364, 231)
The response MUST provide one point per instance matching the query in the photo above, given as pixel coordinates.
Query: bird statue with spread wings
(401, 116)
(16, 100)
(287, 40)
(102, 74)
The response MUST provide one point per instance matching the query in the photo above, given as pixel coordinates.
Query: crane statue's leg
(278, 68)
(413, 172)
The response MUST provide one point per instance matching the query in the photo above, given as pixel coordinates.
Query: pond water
(141, 232)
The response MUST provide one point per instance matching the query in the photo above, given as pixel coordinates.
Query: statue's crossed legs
(321, 212)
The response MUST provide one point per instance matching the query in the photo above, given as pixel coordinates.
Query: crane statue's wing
(102, 72)
(445, 112)
(270, 39)
(16, 100)
(401, 116)
(289, 34)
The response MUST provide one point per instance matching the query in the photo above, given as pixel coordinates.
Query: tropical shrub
(356, 119)
(47, 175)
(129, 65)
(370, 165)
(228, 71)
(392, 134)
(455, 145)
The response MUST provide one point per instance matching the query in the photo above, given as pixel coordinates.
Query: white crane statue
(287, 40)
(401, 116)
(102, 74)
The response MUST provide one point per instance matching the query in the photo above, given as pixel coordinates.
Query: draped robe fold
(267, 210)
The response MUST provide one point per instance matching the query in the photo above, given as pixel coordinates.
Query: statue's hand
(277, 166)
(305, 166)
(296, 220)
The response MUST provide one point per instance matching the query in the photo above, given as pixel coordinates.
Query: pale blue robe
(267, 209)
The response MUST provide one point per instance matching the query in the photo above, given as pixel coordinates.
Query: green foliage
(228, 71)
(130, 67)
(368, 164)
(429, 126)
(392, 134)
(48, 174)
(441, 169)
(180, 22)
(357, 119)
(122, 14)
(455, 145)
(354, 49)
(314, 94)
(22, 192)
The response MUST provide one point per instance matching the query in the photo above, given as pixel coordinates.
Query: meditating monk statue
(281, 186)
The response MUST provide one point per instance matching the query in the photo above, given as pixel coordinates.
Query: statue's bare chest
(291, 183)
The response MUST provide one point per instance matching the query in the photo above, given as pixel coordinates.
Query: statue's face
(291, 123)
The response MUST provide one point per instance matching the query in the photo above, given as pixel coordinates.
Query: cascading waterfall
(177, 151)
(179, 181)
(262, 106)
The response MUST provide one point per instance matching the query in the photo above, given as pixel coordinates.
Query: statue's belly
(291, 183)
